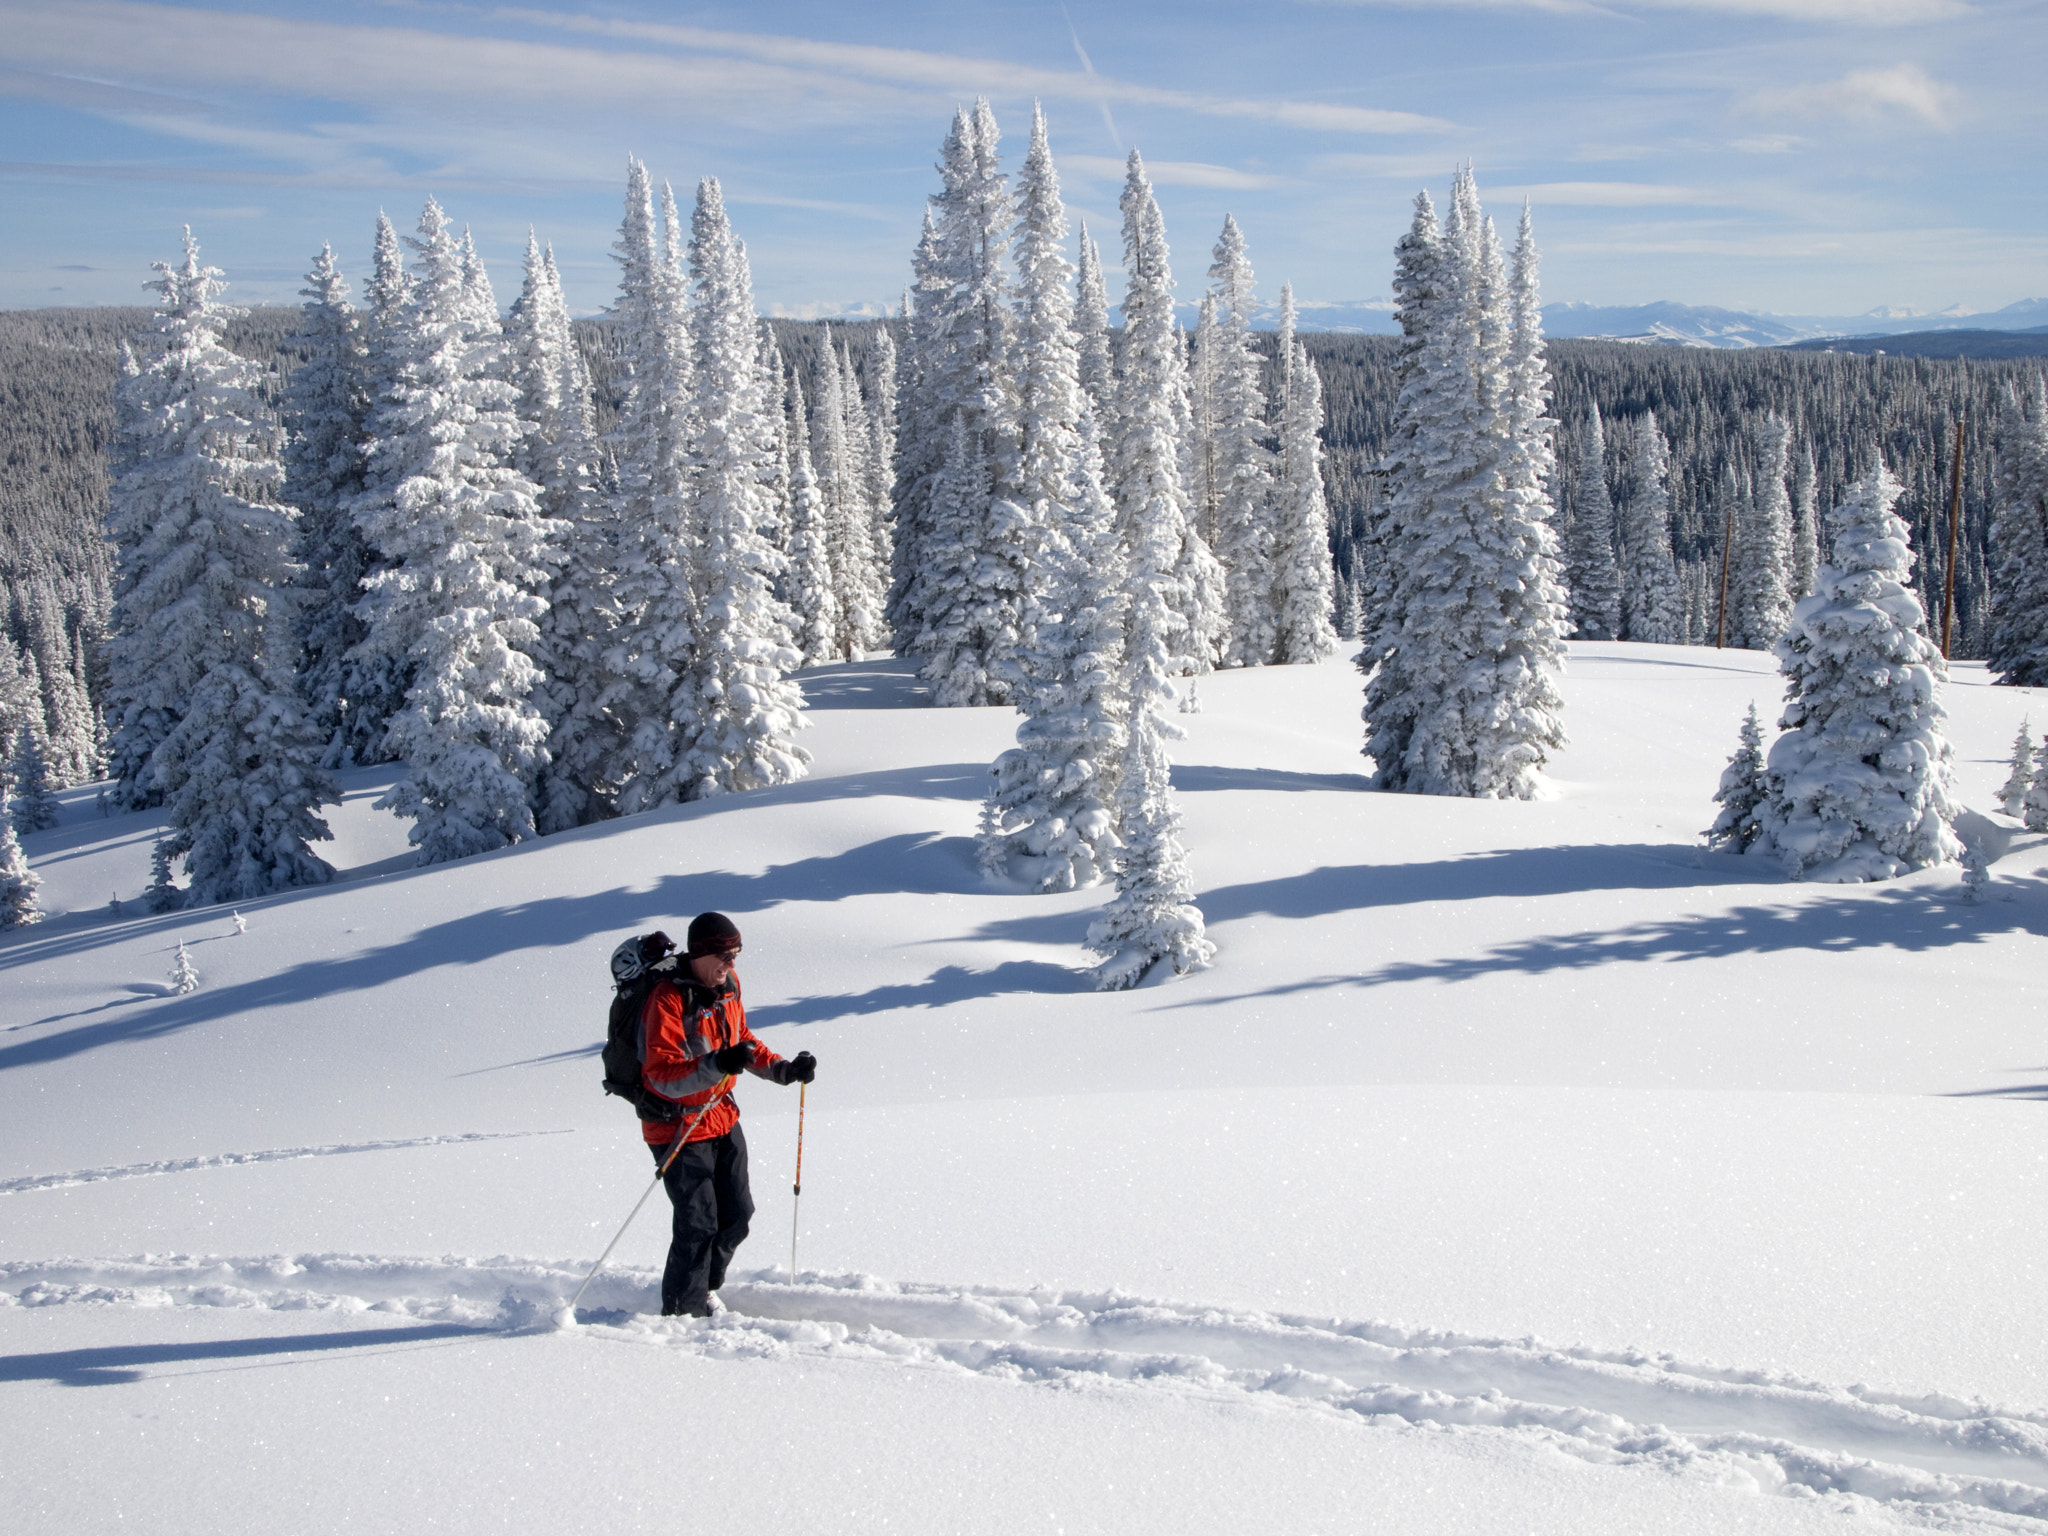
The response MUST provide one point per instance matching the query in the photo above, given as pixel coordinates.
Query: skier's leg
(692, 1190)
(735, 1204)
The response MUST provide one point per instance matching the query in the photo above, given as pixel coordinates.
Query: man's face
(712, 970)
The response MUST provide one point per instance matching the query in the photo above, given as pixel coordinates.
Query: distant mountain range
(1672, 324)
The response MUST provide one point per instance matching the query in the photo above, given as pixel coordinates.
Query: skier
(697, 1040)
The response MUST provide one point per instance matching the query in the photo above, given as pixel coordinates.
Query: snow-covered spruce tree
(1758, 603)
(881, 428)
(743, 712)
(2013, 793)
(2018, 644)
(1247, 538)
(35, 805)
(812, 598)
(184, 976)
(18, 883)
(162, 894)
(1091, 335)
(976, 572)
(1743, 790)
(1143, 469)
(1153, 916)
(560, 454)
(189, 430)
(648, 662)
(924, 431)
(1652, 603)
(1805, 527)
(872, 536)
(69, 726)
(838, 453)
(374, 683)
(1200, 470)
(1049, 817)
(1303, 576)
(2034, 804)
(21, 693)
(1467, 640)
(1046, 817)
(325, 405)
(1860, 778)
(1595, 583)
(467, 558)
(1418, 295)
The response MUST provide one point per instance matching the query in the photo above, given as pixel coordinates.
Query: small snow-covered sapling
(184, 979)
(241, 922)
(2012, 794)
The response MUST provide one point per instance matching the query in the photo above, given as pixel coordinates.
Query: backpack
(637, 964)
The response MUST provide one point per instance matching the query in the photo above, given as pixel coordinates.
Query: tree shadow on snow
(1199, 778)
(917, 863)
(948, 984)
(111, 1365)
(887, 682)
(2015, 1091)
(1915, 920)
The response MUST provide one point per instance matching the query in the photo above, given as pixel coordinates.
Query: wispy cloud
(1861, 13)
(1165, 173)
(959, 75)
(1864, 95)
(1607, 194)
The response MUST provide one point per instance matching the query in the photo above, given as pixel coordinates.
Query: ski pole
(797, 1193)
(567, 1316)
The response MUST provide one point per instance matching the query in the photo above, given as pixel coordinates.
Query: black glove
(803, 1068)
(733, 1058)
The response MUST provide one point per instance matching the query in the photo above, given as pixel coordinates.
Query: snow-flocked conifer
(239, 767)
(1153, 916)
(1860, 777)
(1652, 603)
(809, 584)
(973, 577)
(2034, 804)
(70, 731)
(1049, 817)
(466, 557)
(2012, 793)
(1091, 335)
(654, 590)
(163, 894)
(324, 408)
(1244, 465)
(1144, 465)
(1466, 637)
(19, 906)
(746, 712)
(1595, 584)
(560, 455)
(839, 435)
(375, 682)
(1805, 527)
(1758, 603)
(1744, 789)
(1302, 575)
(2018, 642)
(184, 976)
(35, 806)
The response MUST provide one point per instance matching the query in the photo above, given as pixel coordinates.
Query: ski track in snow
(236, 1159)
(1942, 1458)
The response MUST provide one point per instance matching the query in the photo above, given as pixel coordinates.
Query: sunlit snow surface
(1518, 1167)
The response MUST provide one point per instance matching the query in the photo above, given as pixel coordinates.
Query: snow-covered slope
(1517, 1166)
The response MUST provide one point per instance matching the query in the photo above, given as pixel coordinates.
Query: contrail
(1102, 98)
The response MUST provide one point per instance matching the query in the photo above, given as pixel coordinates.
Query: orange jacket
(681, 1024)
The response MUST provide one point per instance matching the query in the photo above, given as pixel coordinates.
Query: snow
(1519, 1165)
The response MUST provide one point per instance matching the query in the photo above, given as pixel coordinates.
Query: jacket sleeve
(764, 1062)
(677, 1063)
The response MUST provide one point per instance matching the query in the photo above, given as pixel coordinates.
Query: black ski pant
(707, 1184)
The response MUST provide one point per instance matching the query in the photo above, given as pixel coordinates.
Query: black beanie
(713, 933)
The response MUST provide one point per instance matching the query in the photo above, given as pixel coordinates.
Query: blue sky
(1797, 156)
